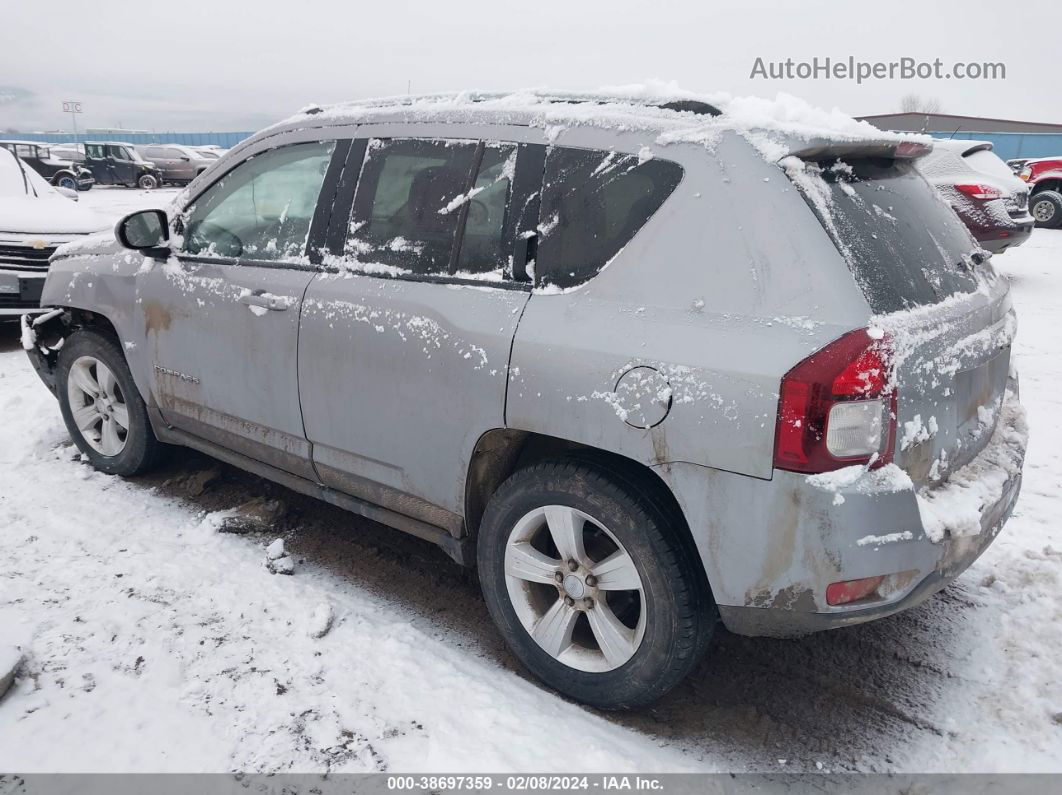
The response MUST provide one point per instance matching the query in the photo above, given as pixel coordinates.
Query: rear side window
(903, 243)
(484, 248)
(593, 204)
(407, 209)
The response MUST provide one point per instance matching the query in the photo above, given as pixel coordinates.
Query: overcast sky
(223, 65)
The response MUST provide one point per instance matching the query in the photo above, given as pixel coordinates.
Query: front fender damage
(42, 339)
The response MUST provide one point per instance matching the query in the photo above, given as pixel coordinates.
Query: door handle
(264, 300)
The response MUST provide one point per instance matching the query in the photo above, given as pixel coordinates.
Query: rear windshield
(905, 246)
(987, 163)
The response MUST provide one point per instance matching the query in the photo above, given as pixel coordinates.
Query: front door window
(262, 209)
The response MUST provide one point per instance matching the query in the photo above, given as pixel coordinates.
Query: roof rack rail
(694, 106)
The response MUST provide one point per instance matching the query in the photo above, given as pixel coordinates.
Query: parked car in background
(1044, 177)
(178, 164)
(55, 169)
(571, 357)
(118, 163)
(34, 219)
(211, 149)
(983, 191)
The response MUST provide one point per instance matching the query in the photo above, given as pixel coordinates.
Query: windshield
(904, 245)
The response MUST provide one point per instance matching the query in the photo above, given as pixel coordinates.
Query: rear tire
(101, 406)
(1046, 208)
(637, 614)
(66, 181)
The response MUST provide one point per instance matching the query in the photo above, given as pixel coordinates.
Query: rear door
(162, 158)
(222, 320)
(96, 161)
(122, 165)
(405, 340)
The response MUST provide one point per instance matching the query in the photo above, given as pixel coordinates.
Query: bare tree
(913, 103)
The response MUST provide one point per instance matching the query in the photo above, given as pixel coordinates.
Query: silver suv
(177, 164)
(644, 367)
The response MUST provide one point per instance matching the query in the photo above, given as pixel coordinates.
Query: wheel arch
(1048, 184)
(501, 451)
(63, 172)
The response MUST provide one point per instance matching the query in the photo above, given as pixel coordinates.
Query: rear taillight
(837, 407)
(982, 192)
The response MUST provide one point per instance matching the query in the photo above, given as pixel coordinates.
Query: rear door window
(408, 205)
(903, 243)
(484, 244)
(593, 204)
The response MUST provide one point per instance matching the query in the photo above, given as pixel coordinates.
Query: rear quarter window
(593, 204)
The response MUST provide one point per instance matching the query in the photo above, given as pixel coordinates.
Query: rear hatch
(932, 290)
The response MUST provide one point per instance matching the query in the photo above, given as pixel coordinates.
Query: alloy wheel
(98, 405)
(575, 588)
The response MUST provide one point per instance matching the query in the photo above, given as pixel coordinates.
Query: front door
(404, 347)
(96, 161)
(122, 165)
(221, 320)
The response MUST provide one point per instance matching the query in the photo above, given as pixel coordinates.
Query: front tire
(147, 182)
(1046, 208)
(101, 406)
(66, 181)
(591, 585)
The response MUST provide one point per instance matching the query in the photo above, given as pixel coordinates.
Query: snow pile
(321, 620)
(955, 507)
(10, 660)
(862, 479)
(278, 561)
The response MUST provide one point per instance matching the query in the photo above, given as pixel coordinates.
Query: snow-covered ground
(154, 641)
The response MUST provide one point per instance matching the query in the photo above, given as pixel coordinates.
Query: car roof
(31, 143)
(663, 112)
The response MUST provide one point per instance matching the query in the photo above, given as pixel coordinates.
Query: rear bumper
(771, 548)
(955, 556)
(1001, 239)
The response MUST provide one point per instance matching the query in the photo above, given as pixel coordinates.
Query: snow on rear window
(904, 245)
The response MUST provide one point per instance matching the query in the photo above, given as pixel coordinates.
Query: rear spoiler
(895, 150)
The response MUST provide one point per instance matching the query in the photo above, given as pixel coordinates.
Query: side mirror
(146, 231)
(186, 159)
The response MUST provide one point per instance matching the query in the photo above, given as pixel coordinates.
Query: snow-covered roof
(775, 127)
